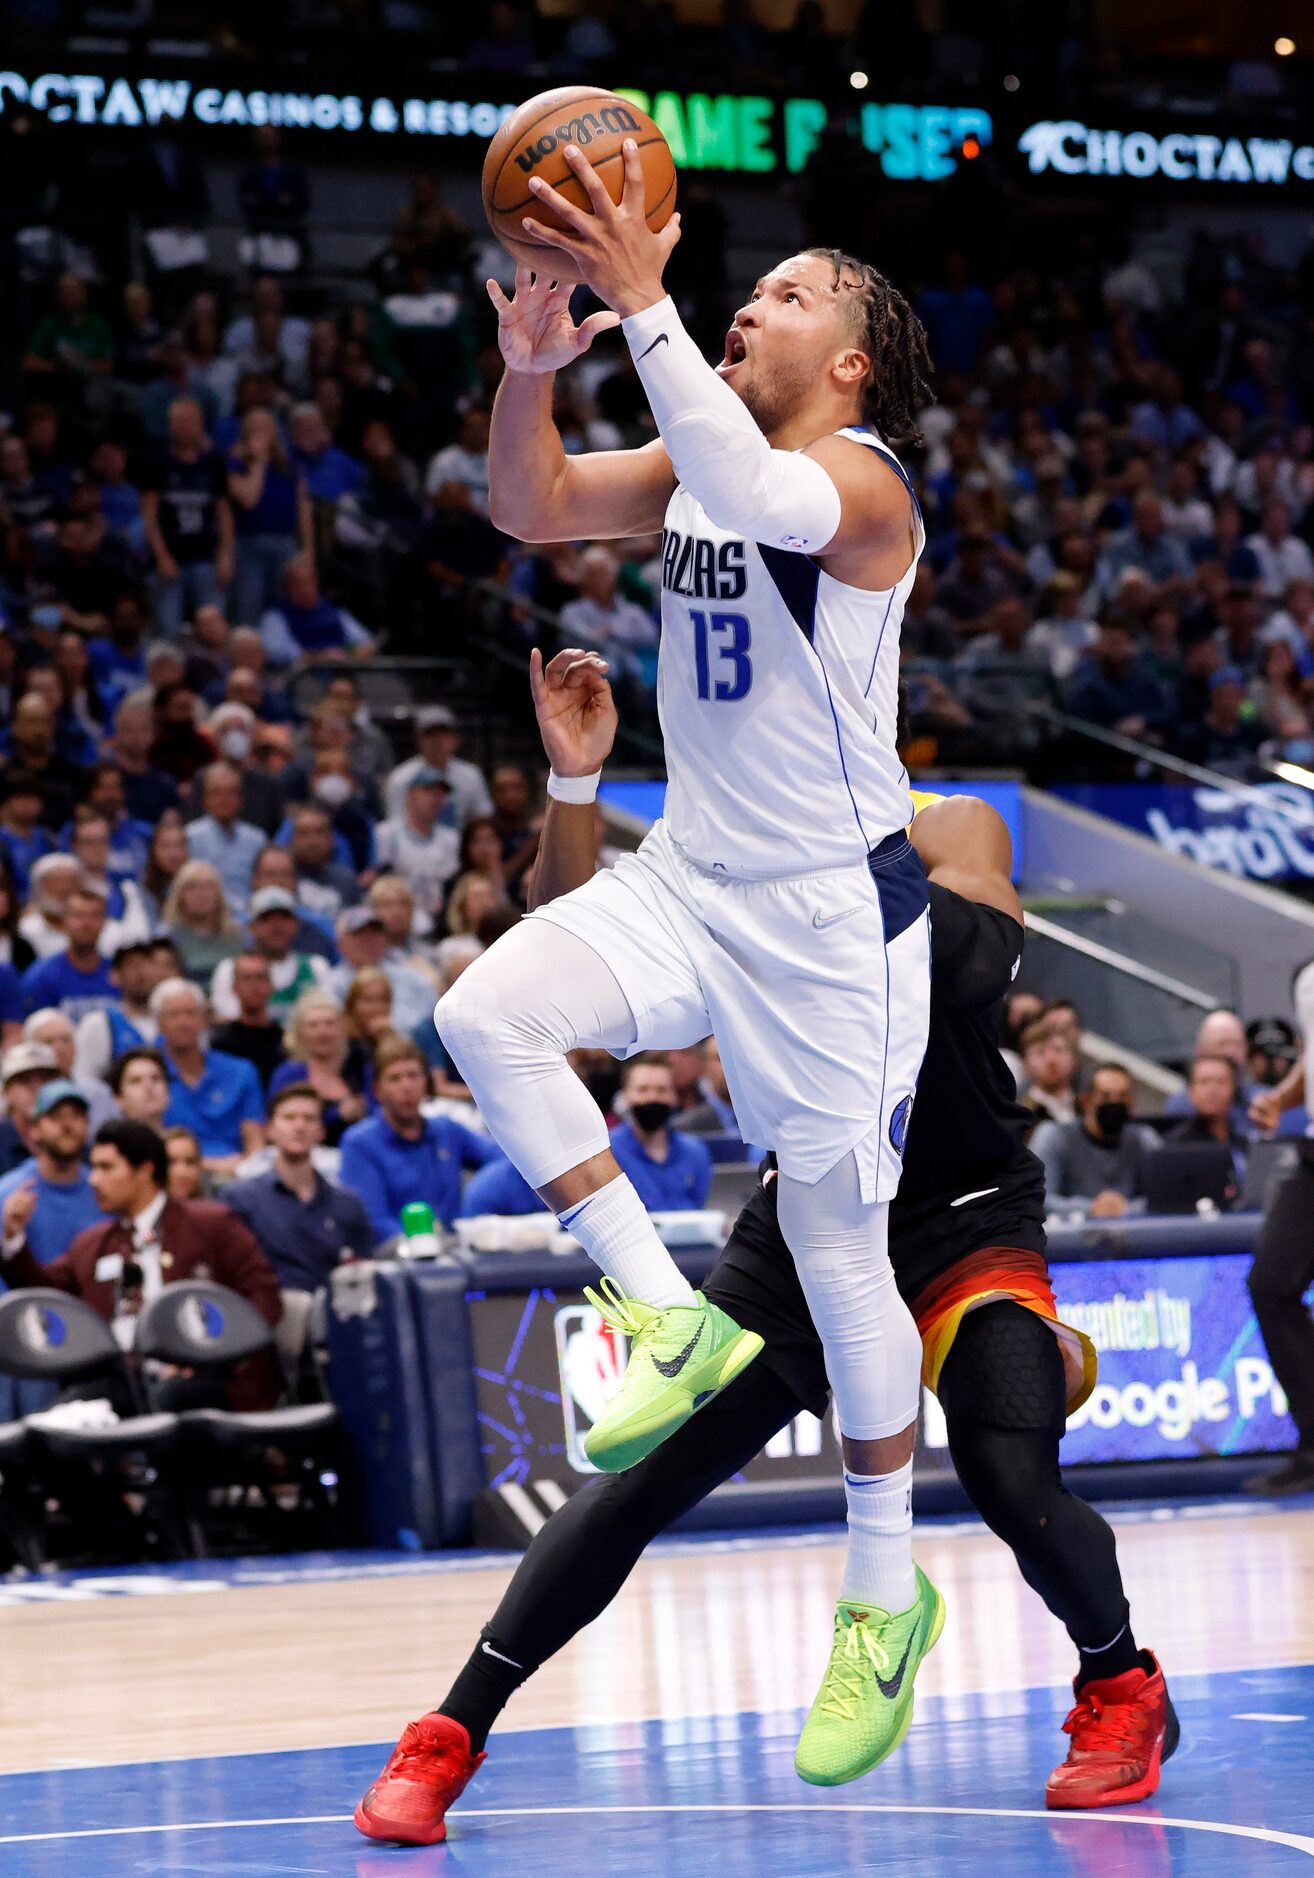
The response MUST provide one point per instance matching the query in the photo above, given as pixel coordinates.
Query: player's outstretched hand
(534, 327)
(610, 243)
(576, 712)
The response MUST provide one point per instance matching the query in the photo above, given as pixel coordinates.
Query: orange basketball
(532, 142)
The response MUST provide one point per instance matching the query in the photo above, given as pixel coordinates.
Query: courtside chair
(22, 1513)
(201, 1326)
(48, 1336)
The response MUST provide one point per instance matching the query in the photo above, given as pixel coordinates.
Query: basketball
(532, 142)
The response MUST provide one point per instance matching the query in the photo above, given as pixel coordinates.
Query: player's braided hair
(891, 333)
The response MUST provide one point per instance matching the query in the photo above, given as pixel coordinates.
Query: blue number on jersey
(735, 655)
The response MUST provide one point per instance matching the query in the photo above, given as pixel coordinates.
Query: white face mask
(236, 744)
(334, 790)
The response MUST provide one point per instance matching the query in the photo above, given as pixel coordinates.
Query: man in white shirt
(601, 618)
(465, 461)
(1282, 556)
(417, 845)
(273, 923)
(437, 739)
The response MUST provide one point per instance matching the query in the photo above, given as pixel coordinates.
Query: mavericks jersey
(778, 691)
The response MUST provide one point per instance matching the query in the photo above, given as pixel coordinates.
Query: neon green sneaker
(679, 1358)
(865, 1702)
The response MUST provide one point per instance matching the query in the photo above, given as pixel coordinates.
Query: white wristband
(573, 788)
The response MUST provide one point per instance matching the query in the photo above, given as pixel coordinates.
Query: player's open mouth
(736, 350)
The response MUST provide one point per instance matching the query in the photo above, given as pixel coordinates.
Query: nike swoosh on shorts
(677, 1363)
(821, 920)
(660, 340)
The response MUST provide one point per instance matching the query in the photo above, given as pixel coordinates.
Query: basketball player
(967, 1241)
(778, 903)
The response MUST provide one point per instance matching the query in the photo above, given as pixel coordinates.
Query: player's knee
(481, 1020)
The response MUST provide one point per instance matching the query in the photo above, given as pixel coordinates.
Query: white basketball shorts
(817, 987)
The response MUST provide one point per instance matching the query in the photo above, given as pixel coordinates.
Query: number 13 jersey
(778, 691)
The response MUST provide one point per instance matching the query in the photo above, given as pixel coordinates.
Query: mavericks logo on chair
(41, 1327)
(201, 1320)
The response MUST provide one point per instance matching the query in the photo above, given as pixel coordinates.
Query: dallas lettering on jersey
(702, 570)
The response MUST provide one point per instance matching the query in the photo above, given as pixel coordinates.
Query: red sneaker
(1122, 1730)
(428, 1769)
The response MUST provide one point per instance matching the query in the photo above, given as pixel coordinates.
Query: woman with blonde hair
(199, 921)
(471, 897)
(321, 1053)
(393, 901)
(272, 516)
(368, 1008)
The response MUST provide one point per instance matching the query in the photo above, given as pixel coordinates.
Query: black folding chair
(48, 1336)
(204, 1327)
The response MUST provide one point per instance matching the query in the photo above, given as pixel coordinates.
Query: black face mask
(650, 1116)
(1111, 1118)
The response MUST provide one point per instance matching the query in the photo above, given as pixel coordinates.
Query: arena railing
(1148, 754)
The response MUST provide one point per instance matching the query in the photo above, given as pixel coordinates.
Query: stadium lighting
(859, 80)
(1012, 82)
(1295, 773)
(1284, 47)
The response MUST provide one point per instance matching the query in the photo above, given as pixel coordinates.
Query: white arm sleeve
(778, 497)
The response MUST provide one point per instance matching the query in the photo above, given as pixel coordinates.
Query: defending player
(967, 1225)
(778, 902)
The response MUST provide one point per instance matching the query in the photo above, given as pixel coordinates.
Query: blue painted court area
(714, 1796)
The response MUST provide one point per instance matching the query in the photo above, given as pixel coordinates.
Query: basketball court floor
(224, 1718)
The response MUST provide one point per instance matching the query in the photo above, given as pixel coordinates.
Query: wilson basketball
(532, 142)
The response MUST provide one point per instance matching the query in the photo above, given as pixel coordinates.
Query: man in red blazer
(151, 1241)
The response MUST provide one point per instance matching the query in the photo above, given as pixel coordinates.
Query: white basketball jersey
(778, 689)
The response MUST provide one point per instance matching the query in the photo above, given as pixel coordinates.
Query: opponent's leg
(1003, 1392)
(573, 1569)
(508, 1023)
(889, 1613)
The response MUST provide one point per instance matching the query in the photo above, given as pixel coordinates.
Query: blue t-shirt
(388, 1171)
(276, 511)
(677, 1184)
(498, 1188)
(57, 981)
(330, 475)
(24, 852)
(12, 1009)
(62, 1211)
(227, 1095)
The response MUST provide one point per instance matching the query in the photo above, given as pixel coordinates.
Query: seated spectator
(187, 1179)
(457, 544)
(150, 1241)
(370, 751)
(323, 1057)
(1276, 696)
(1002, 672)
(330, 474)
(1021, 1008)
(271, 515)
(140, 1083)
(104, 1034)
(1112, 688)
(1272, 1049)
(166, 855)
(218, 1097)
(481, 852)
(975, 580)
(1049, 1066)
(437, 740)
(304, 1225)
(46, 1201)
(471, 899)
(77, 979)
(367, 1010)
(25, 1069)
(1147, 546)
(1220, 1033)
(32, 753)
(364, 944)
(127, 920)
(41, 928)
(252, 1032)
(403, 922)
(70, 345)
(273, 928)
(23, 840)
(180, 748)
(221, 837)
(349, 800)
(199, 921)
(601, 617)
(1096, 1163)
(303, 626)
(1227, 738)
(275, 867)
(188, 520)
(713, 1113)
(323, 885)
(52, 1030)
(147, 791)
(512, 805)
(398, 1155)
(1282, 556)
(417, 845)
(465, 461)
(1213, 1090)
(670, 1171)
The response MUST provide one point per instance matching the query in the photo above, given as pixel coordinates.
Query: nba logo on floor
(590, 1362)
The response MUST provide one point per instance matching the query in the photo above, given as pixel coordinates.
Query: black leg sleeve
(581, 1558)
(1279, 1277)
(1002, 1391)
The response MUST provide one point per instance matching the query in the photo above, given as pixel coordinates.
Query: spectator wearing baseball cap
(437, 739)
(47, 1200)
(417, 845)
(273, 920)
(24, 1070)
(363, 943)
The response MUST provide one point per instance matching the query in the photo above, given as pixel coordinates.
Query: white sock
(613, 1227)
(879, 1568)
